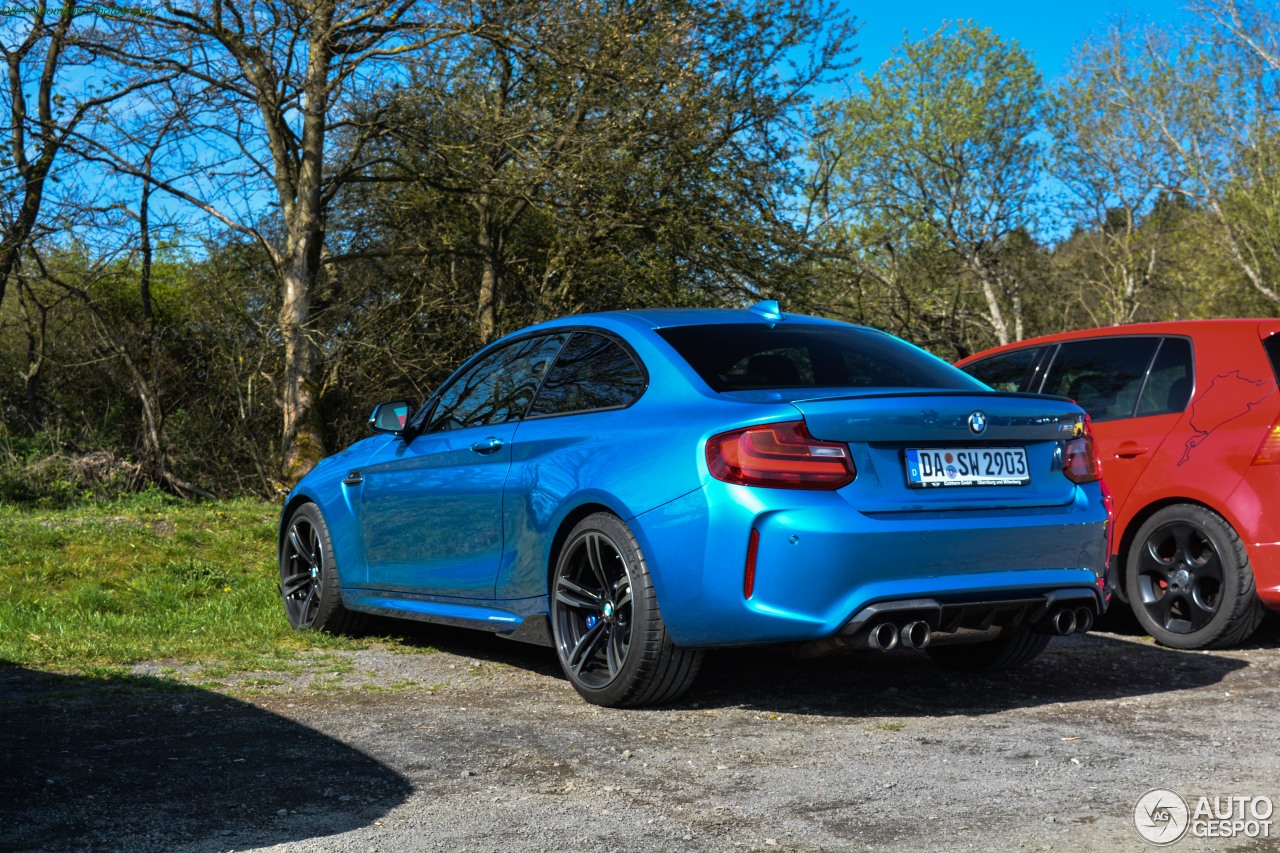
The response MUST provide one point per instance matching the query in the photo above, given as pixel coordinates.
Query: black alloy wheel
(309, 576)
(1189, 580)
(609, 634)
(595, 616)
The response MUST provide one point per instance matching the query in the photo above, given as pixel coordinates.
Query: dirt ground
(482, 745)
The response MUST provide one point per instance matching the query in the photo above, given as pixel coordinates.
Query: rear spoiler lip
(943, 416)
(928, 392)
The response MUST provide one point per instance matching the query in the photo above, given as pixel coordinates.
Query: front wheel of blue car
(609, 633)
(309, 576)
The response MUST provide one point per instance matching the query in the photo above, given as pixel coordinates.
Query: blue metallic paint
(822, 556)
(432, 512)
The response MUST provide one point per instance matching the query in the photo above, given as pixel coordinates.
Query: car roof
(666, 318)
(1264, 327)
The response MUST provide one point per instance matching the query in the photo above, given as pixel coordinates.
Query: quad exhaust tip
(883, 637)
(916, 635)
(1063, 622)
(886, 635)
(1069, 621)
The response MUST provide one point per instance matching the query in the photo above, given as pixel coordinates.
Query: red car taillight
(1269, 450)
(782, 456)
(1080, 459)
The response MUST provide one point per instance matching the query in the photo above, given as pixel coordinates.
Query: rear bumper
(820, 561)
(1264, 557)
(1250, 509)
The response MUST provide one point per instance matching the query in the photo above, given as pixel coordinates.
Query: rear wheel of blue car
(1011, 649)
(609, 633)
(309, 576)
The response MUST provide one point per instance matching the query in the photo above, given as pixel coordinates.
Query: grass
(890, 727)
(100, 586)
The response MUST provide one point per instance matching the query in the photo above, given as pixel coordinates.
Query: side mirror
(390, 417)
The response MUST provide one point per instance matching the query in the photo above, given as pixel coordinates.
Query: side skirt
(523, 619)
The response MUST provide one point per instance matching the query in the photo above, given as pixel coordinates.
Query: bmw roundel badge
(978, 423)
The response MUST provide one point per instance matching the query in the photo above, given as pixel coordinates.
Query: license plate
(967, 466)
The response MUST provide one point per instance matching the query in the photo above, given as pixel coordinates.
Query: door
(1134, 388)
(432, 505)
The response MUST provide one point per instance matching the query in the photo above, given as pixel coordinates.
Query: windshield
(752, 356)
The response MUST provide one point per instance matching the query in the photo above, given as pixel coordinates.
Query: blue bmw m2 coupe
(631, 488)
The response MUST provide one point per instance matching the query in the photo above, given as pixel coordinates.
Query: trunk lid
(888, 433)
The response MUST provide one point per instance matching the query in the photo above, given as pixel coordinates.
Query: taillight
(1079, 459)
(1269, 450)
(781, 456)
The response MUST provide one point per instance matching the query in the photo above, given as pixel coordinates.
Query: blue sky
(1047, 29)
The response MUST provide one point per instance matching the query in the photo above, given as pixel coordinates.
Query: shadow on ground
(466, 642)
(1120, 620)
(903, 684)
(142, 764)
(898, 683)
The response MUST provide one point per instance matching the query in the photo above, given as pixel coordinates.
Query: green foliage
(949, 119)
(206, 355)
(1167, 142)
(546, 159)
(1162, 151)
(935, 165)
(596, 156)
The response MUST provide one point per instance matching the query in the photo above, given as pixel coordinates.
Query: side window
(1103, 375)
(498, 387)
(1168, 387)
(1272, 346)
(592, 372)
(1010, 371)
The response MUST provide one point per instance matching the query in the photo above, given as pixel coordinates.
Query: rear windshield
(751, 356)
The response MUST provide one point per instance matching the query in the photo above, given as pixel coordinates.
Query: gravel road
(468, 742)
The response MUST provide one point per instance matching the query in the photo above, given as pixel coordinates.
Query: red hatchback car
(1186, 420)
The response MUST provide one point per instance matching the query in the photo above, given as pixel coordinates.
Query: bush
(46, 471)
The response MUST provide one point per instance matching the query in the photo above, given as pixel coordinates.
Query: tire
(309, 584)
(1011, 649)
(608, 632)
(1189, 581)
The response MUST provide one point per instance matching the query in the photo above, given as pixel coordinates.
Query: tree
(264, 84)
(37, 51)
(1213, 98)
(602, 154)
(939, 150)
(1111, 162)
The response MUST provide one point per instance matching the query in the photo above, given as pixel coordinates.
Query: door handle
(1129, 450)
(487, 445)
(353, 478)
